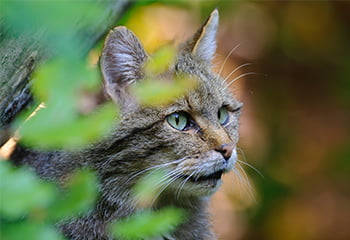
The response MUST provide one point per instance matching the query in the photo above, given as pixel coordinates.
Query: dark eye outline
(223, 111)
(188, 124)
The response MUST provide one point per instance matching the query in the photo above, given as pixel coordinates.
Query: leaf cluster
(29, 206)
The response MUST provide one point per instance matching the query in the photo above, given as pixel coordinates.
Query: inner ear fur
(122, 60)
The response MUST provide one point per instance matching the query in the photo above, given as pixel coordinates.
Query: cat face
(193, 139)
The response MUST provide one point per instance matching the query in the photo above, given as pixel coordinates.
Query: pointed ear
(203, 44)
(121, 62)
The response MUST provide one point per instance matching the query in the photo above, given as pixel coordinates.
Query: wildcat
(193, 139)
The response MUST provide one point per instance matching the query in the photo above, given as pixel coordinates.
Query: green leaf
(29, 231)
(22, 192)
(148, 224)
(55, 15)
(153, 92)
(79, 196)
(160, 61)
(146, 189)
(60, 125)
(61, 78)
(59, 26)
(55, 127)
(159, 91)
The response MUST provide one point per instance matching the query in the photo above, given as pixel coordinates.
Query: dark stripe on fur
(115, 146)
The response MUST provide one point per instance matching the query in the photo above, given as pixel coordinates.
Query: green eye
(178, 120)
(223, 115)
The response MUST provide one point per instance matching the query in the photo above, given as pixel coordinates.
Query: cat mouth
(210, 179)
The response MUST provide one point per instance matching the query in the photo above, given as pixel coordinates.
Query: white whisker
(236, 69)
(244, 180)
(240, 76)
(167, 176)
(232, 121)
(252, 167)
(181, 186)
(244, 161)
(227, 57)
(156, 167)
(237, 174)
(162, 184)
(171, 178)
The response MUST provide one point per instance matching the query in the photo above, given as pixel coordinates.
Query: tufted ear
(121, 62)
(203, 44)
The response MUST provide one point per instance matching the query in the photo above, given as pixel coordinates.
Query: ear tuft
(203, 43)
(122, 60)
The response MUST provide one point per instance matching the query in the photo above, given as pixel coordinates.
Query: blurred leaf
(22, 192)
(55, 15)
(29, 231)
(53, 18)
(160, 61)
(61, 78)
(146, 189)
(79, 196)
(155, 92)
(148, 224)
(56, 127)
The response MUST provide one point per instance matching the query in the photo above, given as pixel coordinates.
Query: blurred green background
(295, 124)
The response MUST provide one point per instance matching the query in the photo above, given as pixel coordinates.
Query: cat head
(194, 138)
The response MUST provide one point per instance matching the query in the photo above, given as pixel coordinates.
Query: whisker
(248, 164)
(240, 76)
(240, 180)
(161, 190)
(232, 121)
(181, 186)
(245, 177)
(227, 57)
(156, 167)
(236, 69)
(169, 181)
(162, 184)
(240, 173)
(168, 175)
(252, 167)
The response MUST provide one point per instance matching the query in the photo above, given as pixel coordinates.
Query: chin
(192, 189)
(206, 188)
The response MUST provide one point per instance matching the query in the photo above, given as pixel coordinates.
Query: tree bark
(19, 55)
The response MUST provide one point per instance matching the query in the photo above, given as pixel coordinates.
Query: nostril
(226, 150)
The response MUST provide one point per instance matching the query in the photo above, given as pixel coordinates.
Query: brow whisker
(236, 69)
(240, 76)
(227, 57)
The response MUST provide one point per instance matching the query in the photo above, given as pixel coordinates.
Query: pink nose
(226, 150)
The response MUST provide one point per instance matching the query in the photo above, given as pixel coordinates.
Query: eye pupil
(177, 119)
